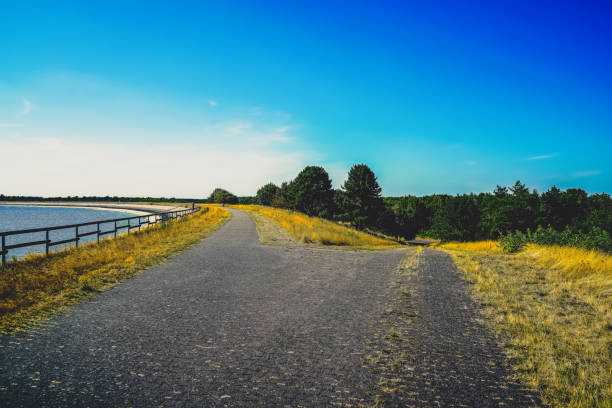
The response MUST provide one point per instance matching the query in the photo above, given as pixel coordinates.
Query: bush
(598, 238)
(512, 242)
(543, 236)
(266, 194)
(221, 196)
(595, 238)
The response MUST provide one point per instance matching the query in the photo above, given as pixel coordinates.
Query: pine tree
(363, 204)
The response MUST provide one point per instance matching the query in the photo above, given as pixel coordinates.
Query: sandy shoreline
(136, 209)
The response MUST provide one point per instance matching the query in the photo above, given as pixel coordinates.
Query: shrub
(512, 242)
(266, 194)
(221, 196)
(598, 238)
(595, 238)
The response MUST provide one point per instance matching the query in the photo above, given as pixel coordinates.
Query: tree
(551, 209)
(246, 200)
(221, 196)
(519, 189)
(457, 219)
(283, 198)
(399, 217)
(266, 194)
(340, 202)
(500, 191)
(311, 192)
(575, 207)
(600, 211)
(363, 204)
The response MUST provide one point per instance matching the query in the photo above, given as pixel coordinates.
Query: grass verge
(312, 230)
(36, 286)
(553, 305)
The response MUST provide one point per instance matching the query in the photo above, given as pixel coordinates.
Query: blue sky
(176, 98)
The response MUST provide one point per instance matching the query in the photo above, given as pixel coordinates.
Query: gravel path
(441, 347)
(231, 322)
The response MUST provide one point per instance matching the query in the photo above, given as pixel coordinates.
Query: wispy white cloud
(212, 103)
(238, 128)
(283, 129)
(250, 134)
(28, 107)
(11, 125)
(470, 163)
(284, 116)
(543, 156)
(582, 174)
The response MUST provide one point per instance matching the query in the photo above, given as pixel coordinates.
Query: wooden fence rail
(142, 220)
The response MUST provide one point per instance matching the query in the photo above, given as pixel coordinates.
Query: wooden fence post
(3, 251)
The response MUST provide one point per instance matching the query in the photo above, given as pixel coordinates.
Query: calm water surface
(18, 218)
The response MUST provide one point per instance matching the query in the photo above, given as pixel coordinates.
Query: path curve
(229, 322)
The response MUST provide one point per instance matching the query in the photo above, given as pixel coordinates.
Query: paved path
(231, 322)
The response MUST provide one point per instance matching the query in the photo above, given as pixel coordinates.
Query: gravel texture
(231, 322)
(435, 348)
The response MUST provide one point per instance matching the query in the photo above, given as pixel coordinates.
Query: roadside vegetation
(553, 307)
(315, 230)
(37, 285)
(571, 217)
(595, 238)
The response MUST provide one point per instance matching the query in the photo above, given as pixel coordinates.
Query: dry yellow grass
(554, 306)
(573, 263)
(479, 246)
(316, 230)
(37, 285)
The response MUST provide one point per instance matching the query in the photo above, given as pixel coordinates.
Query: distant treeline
(116, 199)
(570, 217)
